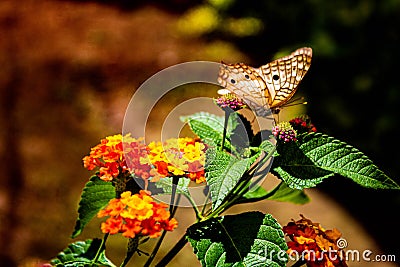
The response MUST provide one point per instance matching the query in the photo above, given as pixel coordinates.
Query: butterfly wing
(245, 82)
(282, 76)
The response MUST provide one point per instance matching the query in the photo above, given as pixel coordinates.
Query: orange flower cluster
(122, 155)
(136, 215)
(317, 246)
(111, 154)
(178, 157)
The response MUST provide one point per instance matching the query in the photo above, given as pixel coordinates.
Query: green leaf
(224, 242)
(316, 156)
(281, 192)
(267, 146)
(223, 171)
(82, 253)
(207, 126)
(210, 127)
(95, 195)
(253, 196)
(293, 167)
(284, 193)
(302, 176)
(341, 158)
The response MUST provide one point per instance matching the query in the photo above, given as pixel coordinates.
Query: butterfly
(267, 88)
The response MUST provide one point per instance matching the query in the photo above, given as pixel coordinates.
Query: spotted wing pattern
(271, 85)
(282, 76)
(246, 83)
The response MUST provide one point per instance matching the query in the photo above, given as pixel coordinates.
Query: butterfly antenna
(295, 102)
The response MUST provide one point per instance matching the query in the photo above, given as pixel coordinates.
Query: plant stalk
(171, 254)
(133, 244)
(155, 250)
(227, 113)
(101, 248)
(239, 190)
(172, 210)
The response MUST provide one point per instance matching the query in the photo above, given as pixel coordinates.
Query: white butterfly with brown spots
(270, 86)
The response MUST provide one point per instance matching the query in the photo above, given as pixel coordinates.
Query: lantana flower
(284, 132)
(118, 156)
(136, 215)
(303, 124)
(317, 246)
(111, 155)
(177, 157)
(230, 102)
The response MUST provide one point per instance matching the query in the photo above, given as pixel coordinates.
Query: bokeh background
(69, 69)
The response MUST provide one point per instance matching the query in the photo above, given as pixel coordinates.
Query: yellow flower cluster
(179, 157)
(123, 155)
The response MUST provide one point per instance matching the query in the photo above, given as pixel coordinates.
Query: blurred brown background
(69, 69)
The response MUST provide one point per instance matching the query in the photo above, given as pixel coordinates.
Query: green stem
(221, 208)
(155, 250)
(133, 244)
(227, 201)
(175, 180)
(230, 198)
(227, 113)
(263, 160)
(178, 199)
(188, 197)
(172, 210)
(205, 203)
(171, 254)
(239, 190)
(192, 202)
(101, 248)
(194, 205)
